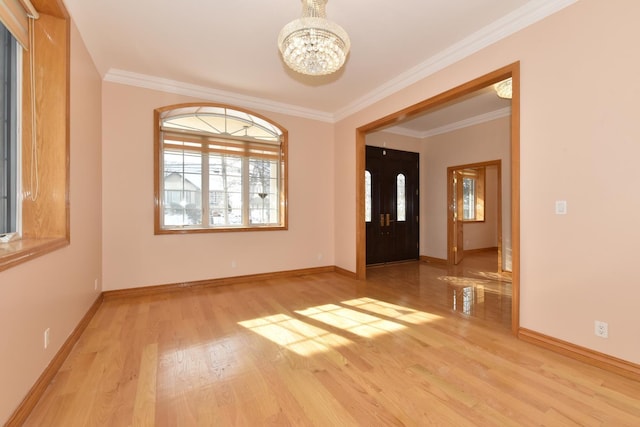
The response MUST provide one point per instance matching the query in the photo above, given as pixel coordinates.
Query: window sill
(193, 230)
(20, 251)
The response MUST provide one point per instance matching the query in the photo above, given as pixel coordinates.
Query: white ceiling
(478, 107)
(227, 49)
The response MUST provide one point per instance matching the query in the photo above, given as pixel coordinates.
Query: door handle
(388, 219)
(381, 220)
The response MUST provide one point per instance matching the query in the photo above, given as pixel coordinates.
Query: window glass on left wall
(9, 113)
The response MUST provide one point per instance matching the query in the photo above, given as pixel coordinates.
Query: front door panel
(392, 222)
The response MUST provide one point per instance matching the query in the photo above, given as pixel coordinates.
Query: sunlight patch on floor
(394, 311)
(492, 275)
(306, 340)
(294, 334)
(361, 324)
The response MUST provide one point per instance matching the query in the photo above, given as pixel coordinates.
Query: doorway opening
(509, 71)
(391, 205)
(474, 200)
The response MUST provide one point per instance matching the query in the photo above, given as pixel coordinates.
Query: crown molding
(517, 20)
(471, 121)
(214, 95)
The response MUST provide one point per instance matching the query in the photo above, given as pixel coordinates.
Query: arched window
(218, 168)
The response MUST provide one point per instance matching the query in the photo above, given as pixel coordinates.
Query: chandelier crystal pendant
(503, 88)
(312, 44)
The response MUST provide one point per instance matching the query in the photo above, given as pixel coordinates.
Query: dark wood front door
(391, 183)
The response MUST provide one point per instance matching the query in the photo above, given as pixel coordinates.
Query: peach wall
(579, 142)
(133, 256)
(479, 143)
(56, 290)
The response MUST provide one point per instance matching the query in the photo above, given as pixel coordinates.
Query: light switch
(561, 207)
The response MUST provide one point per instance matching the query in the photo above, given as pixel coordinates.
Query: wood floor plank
(355, 398)
(145, 403)
(318, 404)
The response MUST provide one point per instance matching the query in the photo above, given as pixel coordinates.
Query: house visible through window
(219, 168)
(9, 68)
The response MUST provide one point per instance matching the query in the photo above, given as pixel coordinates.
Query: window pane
(401, 208)
(225, 189)
(263, 191)
(182, 188)
(367, 196)
(8, 132)
(468, 198)
(221, 121)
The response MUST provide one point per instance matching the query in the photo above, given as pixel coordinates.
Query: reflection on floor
(473, 288)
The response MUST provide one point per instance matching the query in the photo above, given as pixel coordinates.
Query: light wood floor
(415, 344)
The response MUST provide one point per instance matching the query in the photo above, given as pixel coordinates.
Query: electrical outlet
(47, 335)
(561, 207)
(601, 329)
(95, 284)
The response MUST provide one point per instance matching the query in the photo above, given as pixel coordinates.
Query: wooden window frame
(45, 216)
(158, 189)
(478, 175)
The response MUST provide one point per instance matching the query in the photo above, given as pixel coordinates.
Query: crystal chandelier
(312, 44)
(503, 88)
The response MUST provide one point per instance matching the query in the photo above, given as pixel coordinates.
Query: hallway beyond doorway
(471, 289)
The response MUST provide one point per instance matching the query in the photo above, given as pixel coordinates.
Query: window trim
(44, 234)
(157, 161)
